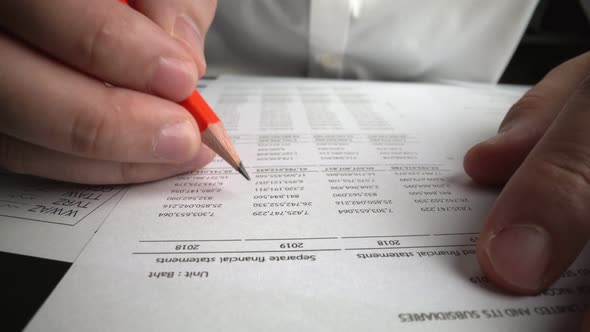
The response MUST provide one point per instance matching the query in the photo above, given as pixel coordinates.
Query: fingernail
(176, 142)
(520, 254)
(510, 133)
(495, 139)
(186, 30)
(173, 78)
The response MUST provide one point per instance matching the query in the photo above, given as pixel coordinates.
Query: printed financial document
(359, 217)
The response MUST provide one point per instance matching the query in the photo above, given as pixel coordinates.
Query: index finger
(105, 39)
(541, 220)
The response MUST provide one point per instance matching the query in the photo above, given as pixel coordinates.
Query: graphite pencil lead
(242, 171)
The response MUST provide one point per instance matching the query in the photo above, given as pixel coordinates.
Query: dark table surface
(26, 283)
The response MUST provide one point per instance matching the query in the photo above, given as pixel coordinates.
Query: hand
(541, 220)
(58, 119)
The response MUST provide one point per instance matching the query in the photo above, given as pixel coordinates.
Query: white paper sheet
(358, 218)
(49, 219)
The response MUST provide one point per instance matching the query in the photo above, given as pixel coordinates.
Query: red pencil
(213, 133)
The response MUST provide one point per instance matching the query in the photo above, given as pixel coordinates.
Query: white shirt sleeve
(369, 39)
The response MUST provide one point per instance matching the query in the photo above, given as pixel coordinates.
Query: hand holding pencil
(57, 117)
(213, 133)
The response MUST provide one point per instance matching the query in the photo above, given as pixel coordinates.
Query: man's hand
(541, 220)
(58, 117)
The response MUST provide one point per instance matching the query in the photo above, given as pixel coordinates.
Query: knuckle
(213, 4)
(209, 5)
(98, 43)
(567, 170)
(130, 173)
(204, 12)
(92, 132)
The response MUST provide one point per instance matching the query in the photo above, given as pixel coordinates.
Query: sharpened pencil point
(242, 171)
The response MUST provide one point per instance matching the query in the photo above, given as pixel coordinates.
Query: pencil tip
(242, 171)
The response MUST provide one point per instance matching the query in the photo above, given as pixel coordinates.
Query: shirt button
(327, 60)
